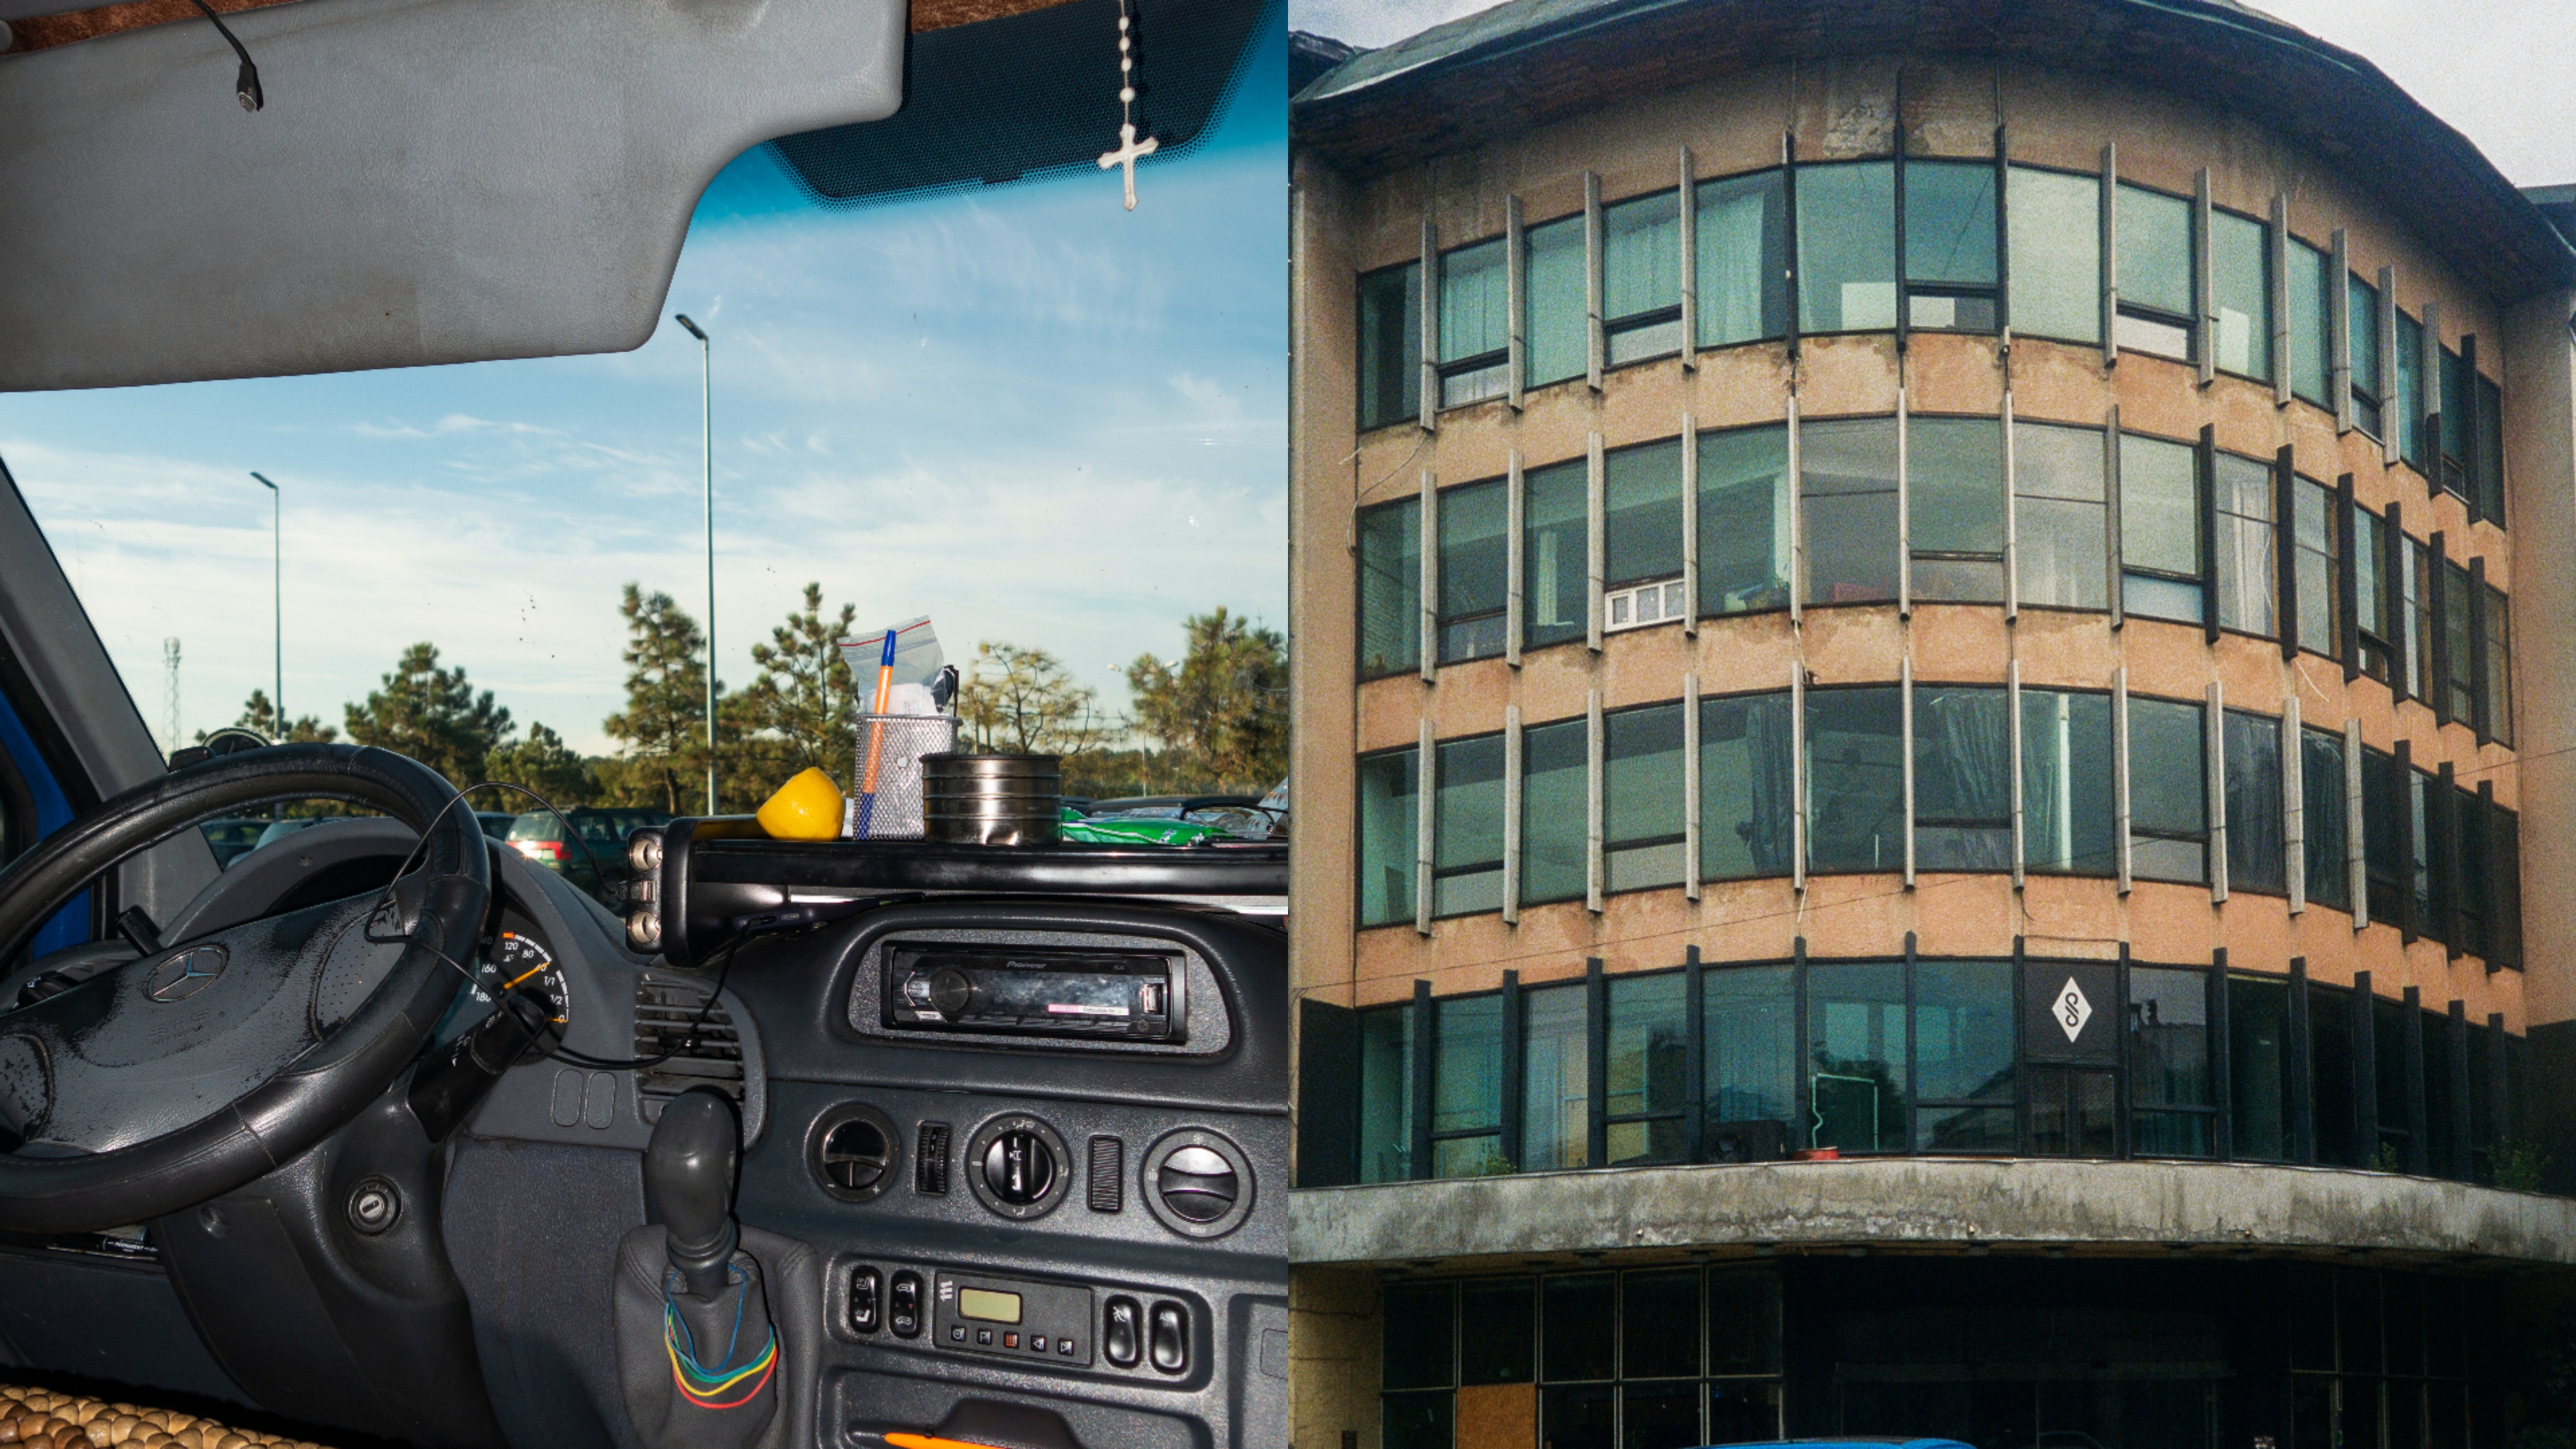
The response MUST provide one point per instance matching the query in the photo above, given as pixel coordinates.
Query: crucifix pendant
(1130, 150)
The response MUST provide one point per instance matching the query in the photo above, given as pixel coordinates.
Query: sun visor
(1034, 94)
(430, 181)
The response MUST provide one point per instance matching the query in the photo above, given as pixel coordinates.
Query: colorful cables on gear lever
(704, 1387)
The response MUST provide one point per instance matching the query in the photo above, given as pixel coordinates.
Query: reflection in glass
(1642, 519)
(2168, 791)
(2258, 1059)
(1950, 245)
(2257, 847)
(1847, 247)
(1390, 545)
(1745, 787)
(1955, 509)
(2314, 532)
(1856, 1055)
(2311, 334)
(2160, 529)
(1554, 804)
(1962, 779)
(1641, 797)
(1386, 1093)
(2060, 518)
(2172, 1109)
(1646, 1065)
(1552, 276)
(1390, 346)
(1467, 1088)
(2241, 286)
(1963, 1054)
(2055, 224)
(1847, 479)
(1855, 780)
(1467, 827)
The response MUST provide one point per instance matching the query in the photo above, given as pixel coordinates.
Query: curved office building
(1933, 657)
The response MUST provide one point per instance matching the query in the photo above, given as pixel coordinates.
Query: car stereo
(1035, 990)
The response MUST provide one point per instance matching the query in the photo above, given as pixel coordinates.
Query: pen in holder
(885, 798)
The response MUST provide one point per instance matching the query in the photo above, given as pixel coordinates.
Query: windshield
(1053, 425)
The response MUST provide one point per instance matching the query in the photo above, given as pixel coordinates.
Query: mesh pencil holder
(898, 742)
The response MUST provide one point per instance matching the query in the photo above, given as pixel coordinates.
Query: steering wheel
(191, 1070)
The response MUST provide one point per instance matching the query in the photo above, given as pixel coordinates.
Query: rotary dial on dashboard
(522, 963)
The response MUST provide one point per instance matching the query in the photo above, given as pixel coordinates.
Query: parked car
(496, 823)
(1241, 816)
(231, 839)
(540, 836)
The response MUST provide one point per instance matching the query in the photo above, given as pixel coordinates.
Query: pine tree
(796, 715)
(663, 727)
(433, 715)
(260, 718)
(542, 763)
(1223, 707)
(1023, 701)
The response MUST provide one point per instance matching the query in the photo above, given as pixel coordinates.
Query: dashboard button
(1122, 1333)
(1170, 1338)
(867, 1300)
(903, 1311)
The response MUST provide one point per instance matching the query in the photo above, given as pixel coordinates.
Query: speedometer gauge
(522, 964)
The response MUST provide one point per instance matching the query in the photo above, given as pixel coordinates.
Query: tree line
(1214, 720)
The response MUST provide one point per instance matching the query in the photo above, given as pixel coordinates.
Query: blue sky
(1022, 410)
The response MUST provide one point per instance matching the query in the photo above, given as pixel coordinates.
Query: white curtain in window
(1730, 265)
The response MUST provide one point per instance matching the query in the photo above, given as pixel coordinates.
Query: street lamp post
(277, 596)
(707, 429)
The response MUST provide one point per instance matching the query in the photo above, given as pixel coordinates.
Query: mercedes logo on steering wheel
(185, 974)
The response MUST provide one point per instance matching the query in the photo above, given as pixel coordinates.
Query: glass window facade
(1847, 247)
(1642, 515)
(2160, 562)
(1641, 277)
(2055, 225)
(1856, 1054)
(1474, 570)
(1962, 779)
(2173, 1108)
(1467, 826)
(2062, 526)
(1556, 1075)
(2240, 261)
(1390, 571)
(1746, 788)
(2168, 791)
(1955, 508)
(1847, 481)
(1965, 1073)
(1390, 363)
(2069, 820)
(2325, 819)
(1646, 1068)
(1642, 799)
(1467, 1087)
(1553, 291)
(2311, 294)
(1475, 324)
(2155, 273)
(2248, 582)
(1390, 825)
(1743, 262)
(1744, 520)
(1950, 277)
(1855, 780)
(2362, 326)
(2316, 532)
(1554, 566)
(2257, 849)
(1555, 807)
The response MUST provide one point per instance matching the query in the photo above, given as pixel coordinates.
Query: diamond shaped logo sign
(2071, 1009)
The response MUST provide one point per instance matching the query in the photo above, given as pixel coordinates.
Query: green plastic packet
(1086, 831)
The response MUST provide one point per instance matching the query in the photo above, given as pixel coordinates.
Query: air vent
(855, 1152)
(664, 1013)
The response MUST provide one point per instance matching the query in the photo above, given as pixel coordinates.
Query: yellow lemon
(807, 807)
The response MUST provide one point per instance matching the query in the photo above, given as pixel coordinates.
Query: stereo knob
(951, 992)
(1019, 1168)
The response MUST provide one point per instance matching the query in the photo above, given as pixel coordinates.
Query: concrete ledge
(1930, 1203)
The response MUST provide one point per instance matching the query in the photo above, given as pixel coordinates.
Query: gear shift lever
(688, 1184)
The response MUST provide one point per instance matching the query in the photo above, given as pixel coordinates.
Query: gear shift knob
(688, 1184)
